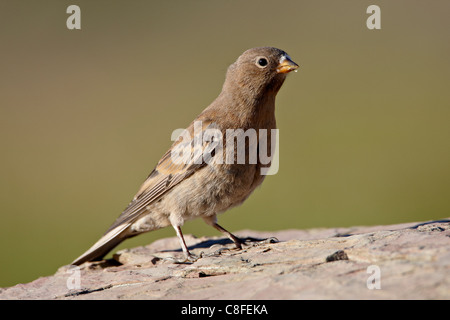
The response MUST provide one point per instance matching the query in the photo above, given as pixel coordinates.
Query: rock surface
(406, 261)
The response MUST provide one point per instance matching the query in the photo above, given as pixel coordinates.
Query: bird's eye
(261, 62)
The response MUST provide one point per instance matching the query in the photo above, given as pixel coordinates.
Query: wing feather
(164, 177)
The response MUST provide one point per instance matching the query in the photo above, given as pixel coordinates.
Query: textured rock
(406, 261)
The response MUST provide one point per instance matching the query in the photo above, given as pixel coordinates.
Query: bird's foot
(258, 242)
(189, 258)
(219, 251)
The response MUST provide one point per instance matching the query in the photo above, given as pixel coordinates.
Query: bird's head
(260, 70)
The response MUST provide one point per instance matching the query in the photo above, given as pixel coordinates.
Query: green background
(86, 114)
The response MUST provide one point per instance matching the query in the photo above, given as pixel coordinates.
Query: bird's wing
(169, 171)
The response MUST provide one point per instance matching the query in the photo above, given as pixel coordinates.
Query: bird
(204, 186)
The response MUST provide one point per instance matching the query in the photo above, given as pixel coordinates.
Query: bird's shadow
(201, 245)
(211, 242)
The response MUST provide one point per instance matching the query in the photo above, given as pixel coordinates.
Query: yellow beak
(286, 65)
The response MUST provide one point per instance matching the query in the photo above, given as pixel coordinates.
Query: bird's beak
(286, 65)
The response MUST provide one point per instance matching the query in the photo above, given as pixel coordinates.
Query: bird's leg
(189, 257)
(237, 242)
(212, 221)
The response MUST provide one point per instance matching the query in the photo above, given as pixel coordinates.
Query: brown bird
(204, 173)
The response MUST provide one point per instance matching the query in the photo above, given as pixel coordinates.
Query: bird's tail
(106, 243)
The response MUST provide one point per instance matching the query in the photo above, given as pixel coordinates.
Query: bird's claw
(254, 242)
(219, 251)
(189, 258)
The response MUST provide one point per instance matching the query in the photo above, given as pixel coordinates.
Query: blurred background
(86, 114)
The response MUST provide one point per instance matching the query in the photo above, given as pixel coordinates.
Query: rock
(406, 261)
(338, 255)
